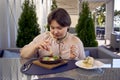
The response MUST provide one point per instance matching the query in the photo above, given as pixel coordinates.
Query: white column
(49, 3)
(79, 6)
(109, 19)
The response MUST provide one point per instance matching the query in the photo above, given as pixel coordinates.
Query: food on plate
(50, 58)
(88, 62)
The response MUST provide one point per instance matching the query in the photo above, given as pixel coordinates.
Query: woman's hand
(72, 51)
(45, 45)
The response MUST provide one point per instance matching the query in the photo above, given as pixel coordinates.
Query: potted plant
(85, 28)
(28, 26)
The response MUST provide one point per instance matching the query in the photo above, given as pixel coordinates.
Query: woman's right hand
(45, 45)
(29, 50)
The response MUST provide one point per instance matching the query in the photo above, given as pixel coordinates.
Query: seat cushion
(87, 53)
(9, 54)
(1, 53)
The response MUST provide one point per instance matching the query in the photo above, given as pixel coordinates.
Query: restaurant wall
(74, 20)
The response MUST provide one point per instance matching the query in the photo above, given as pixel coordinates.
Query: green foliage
(101, 19)
(28, 26)
(101, 16)
(116, 12)
(85, 27)
(54, 5)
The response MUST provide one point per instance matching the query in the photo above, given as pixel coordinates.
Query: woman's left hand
(72, 51)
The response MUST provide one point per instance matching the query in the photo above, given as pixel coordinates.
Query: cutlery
(51, 52)
(28, 65)
(100, 70)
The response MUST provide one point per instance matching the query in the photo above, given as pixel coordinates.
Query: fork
(51, 52)
(26, 67)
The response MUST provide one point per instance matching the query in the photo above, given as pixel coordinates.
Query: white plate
(97, 64)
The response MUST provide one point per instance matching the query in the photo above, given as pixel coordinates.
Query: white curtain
(10, 11)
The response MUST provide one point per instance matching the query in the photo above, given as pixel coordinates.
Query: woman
(58, 41)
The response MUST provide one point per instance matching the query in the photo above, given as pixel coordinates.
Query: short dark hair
(61, 16)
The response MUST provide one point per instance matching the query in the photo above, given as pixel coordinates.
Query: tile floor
(103, 42)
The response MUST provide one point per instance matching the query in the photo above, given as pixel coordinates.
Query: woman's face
(57, 30)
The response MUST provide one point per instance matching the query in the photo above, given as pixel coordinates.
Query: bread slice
(88, 62)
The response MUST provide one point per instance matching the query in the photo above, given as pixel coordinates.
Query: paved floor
(103, 42)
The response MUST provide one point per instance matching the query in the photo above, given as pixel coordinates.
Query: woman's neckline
(61, 39)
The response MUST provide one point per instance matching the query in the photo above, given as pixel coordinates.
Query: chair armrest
(13, 49)
(11, 53)
(1, 53)
(93, 51)
(104, 53)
